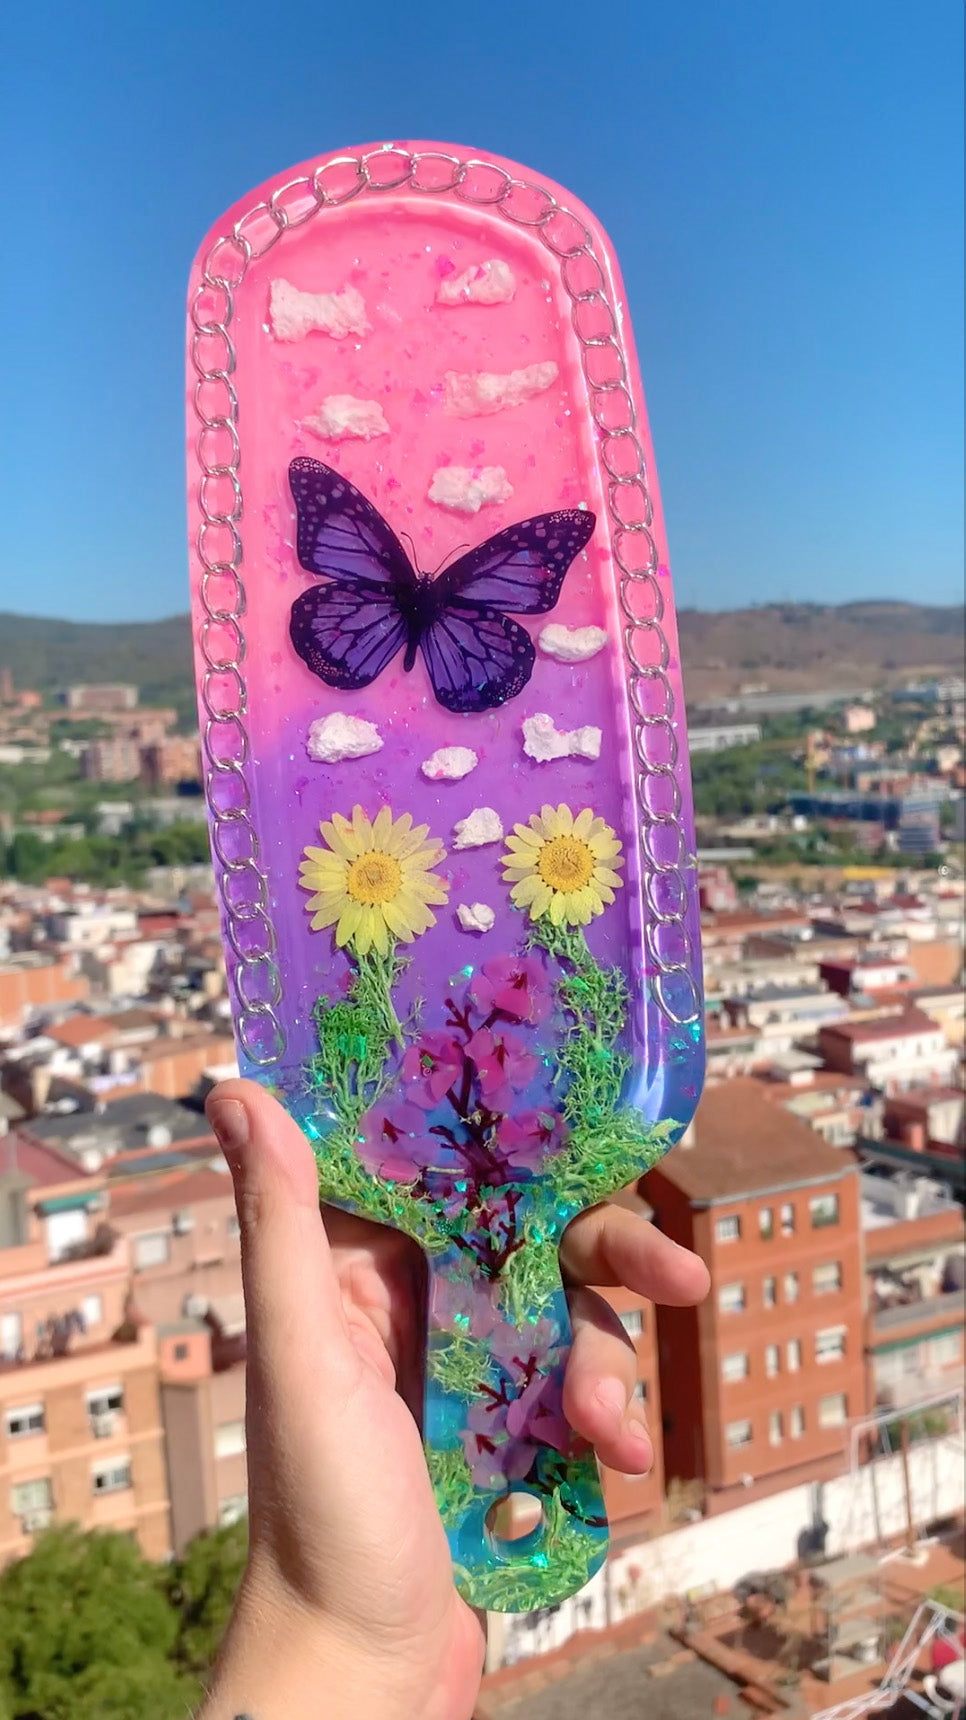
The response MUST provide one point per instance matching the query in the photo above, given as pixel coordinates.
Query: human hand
(347, 1605)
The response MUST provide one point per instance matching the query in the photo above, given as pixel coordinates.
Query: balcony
(889, 1316)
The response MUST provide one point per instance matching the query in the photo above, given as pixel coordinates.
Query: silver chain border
(242, 883)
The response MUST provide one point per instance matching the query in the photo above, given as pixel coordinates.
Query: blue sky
(783, 184)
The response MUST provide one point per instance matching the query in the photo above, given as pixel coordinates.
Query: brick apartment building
(759, 1383)
(114, 760)
(29, 981)
(80, 1426)
(172, 759)
(182, 1232)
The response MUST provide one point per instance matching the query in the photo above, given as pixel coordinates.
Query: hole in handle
(515, 1519)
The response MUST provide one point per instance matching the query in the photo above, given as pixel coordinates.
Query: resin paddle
(445, 763)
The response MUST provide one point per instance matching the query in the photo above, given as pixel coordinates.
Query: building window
(731, 1298)
(151, 1250)
(32, 1502)
(232, 1509)
(735, 1366)
(771, 1360)
(775, 1427)
(827, 1278)
(28, 1418)
(11, 1336)
(111, 1477)
(946, 1351)
(787, 1219)
(766, 1223)
(727, 1229)
(830, 1344)
(737, 1433)
(793, 1355)
(181, 1352)
(103, 1404)
(823, 1209)
(790, 1286)
(232, 1225)
(229, 1439)
(833, 1410)
(769, 1292)
(796, 1421)
(632, 1321)
(92, 1311)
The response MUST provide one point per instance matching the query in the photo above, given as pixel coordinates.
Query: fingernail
(612, 1396)
(637, 1427)
(640, 1439)
(229, 1119)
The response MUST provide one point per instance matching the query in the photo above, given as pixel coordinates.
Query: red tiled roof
(179, 1188)
(78, 1030)
(745, 1143)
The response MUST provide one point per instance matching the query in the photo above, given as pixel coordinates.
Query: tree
(202, 1586)
(86, 1633)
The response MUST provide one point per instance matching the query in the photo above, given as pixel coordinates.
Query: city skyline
(789, 232)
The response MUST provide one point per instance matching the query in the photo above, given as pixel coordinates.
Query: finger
(611, 1245)
(598, 1386)
(382, 1279)
(296, 1327)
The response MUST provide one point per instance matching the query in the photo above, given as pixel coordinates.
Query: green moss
(591, 1068)
(347, 1075)
(355, 1037)
(560, 1564)
(599, 1159)
(452, 1481)
(531, 1277)
(459, 1364)
(609, 1144)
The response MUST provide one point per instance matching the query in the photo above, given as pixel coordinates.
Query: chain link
(242, 883)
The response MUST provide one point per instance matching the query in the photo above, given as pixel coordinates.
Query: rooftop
(178, 1187)
(36, 1160)
(77, 1030)
(130, 1121)
(896, 1026)
(902, 1199)
(744, 1144)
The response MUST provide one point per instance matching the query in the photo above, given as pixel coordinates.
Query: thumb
(297, 1336)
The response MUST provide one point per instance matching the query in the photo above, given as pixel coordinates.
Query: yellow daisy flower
(562, 865)
(372, 881)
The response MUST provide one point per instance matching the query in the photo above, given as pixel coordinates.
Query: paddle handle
(518, 1492)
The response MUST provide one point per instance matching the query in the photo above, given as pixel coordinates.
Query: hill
(793, 646)
(785, 646)
(49, 655)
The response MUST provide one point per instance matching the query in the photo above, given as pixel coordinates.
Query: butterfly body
(374, 603)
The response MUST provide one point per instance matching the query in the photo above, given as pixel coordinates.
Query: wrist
(281, 1662)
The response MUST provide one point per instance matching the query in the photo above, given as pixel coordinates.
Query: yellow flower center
(565, 863)
(373, 878)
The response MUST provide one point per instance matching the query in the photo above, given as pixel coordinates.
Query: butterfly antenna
(412, 547)
(449, 556)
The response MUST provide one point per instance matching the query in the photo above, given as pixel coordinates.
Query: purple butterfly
(374, 602)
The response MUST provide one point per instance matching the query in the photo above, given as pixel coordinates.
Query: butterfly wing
(476, 657)
(346, 634)
(522, 568)
(341, 535)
